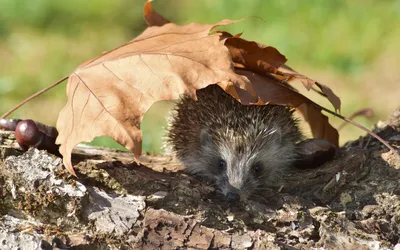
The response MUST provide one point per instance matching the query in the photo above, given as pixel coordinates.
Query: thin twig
(360, 127)
(367, 112)
(33, 96)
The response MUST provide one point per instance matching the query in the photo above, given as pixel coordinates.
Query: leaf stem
(360, 127)
(33, 96)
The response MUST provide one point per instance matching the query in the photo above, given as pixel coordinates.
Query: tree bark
(116, 202)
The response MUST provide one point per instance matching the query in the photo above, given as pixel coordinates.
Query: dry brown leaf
(109, 95)
(308, 83)
(254, 56)
(334, 99)
(151, 17)
(319, 123)
(266, 59)
(269, 90)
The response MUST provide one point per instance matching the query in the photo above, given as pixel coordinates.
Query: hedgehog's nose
(232, 196)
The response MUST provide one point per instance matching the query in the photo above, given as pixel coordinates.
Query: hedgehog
(243, 149)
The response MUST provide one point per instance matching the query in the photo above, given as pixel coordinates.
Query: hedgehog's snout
(232, 196)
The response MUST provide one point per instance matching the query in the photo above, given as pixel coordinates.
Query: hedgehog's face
(239, 177)
(244, 167)
(244, 172)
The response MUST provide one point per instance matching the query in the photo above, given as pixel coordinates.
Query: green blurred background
(353, 46)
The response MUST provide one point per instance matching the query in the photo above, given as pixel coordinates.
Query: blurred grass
(351, 46)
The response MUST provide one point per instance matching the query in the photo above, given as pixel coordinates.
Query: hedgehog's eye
(257, 168)
(222, 164)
